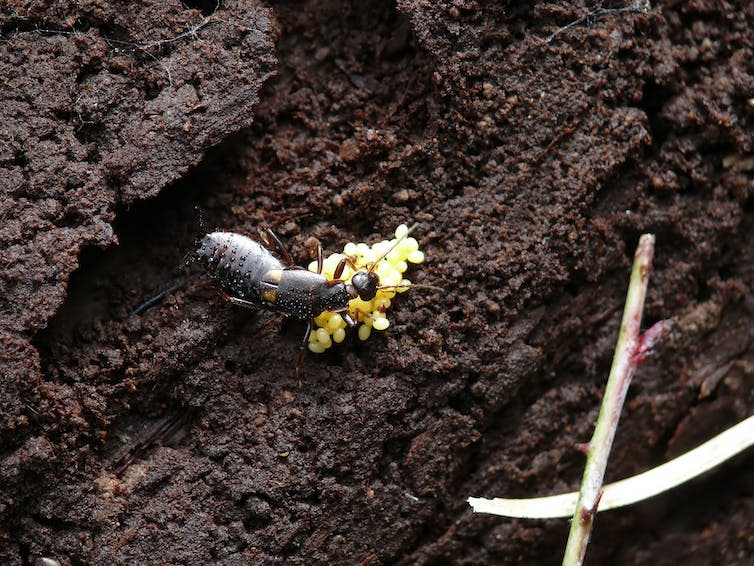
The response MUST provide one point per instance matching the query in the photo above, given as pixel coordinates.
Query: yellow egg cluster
(371, 314)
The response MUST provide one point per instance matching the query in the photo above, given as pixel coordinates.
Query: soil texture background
(532, 144)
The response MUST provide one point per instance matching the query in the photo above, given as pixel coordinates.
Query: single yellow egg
(416, 256)
(334, 322)
(364, 332)
(380, 323)
(339, 335)
(316, 347)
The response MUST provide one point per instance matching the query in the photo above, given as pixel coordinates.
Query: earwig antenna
(398, 241)
(410, 286)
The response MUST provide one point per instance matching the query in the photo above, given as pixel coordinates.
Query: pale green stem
(671, 474)
(624, 363)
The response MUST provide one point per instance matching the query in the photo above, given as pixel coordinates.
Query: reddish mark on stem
(582, 447)
(587, 515)
(649, 339)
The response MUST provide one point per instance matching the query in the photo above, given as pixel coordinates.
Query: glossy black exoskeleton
(250, 275)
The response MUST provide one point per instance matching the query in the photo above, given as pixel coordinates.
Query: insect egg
(393, 258)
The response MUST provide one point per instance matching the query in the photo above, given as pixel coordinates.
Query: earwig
(250, 275)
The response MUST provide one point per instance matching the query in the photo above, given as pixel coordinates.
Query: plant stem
(625, 360)
(671, 474)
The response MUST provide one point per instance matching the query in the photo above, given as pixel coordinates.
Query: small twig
(149, 303)
(686, 467)
(144, 48)
(567, 131)
(640, 6)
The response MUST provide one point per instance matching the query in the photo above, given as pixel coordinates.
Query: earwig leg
(342, 265)
(320, 259)
(302, 351)
(314, 247)
(237, 301)
(339, 269)
(347, 317)
(187, 258)
(242, 303)
(270, 239)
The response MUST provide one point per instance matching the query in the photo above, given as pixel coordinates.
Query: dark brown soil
(531, 163)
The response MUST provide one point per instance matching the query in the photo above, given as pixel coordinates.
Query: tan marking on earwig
(270, 295)
(273, 276)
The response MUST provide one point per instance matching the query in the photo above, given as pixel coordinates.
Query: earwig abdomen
(237, 263)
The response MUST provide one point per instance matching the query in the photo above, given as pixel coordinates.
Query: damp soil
(531, 143)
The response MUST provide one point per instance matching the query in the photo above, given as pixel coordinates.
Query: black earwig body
(249, 275)
(246, 270)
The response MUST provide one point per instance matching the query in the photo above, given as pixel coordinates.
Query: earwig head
(365, 283)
